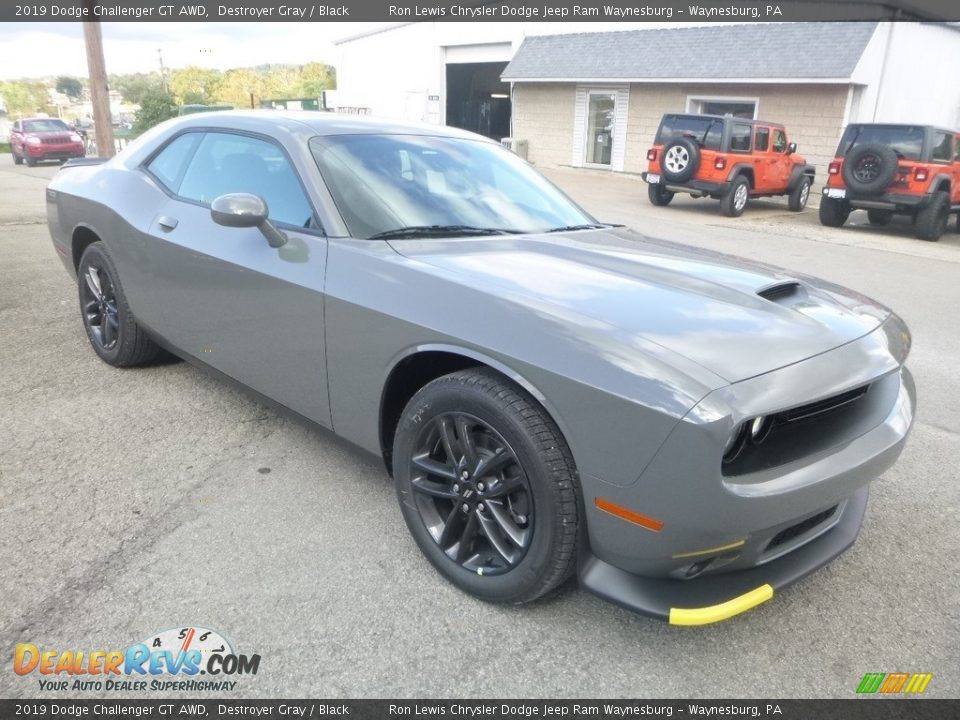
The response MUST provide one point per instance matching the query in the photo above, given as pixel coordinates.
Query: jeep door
(780, 164)
(229, 299)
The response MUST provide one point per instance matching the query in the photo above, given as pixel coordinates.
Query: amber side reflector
(629, 515)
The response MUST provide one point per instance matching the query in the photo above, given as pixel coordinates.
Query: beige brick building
(595, 99)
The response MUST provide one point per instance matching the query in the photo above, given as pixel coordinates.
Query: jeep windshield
(707, 132)
(395, 186)
(44, 125)
(905, 140)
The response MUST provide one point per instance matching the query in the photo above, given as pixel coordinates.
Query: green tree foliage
(155, 107)
(25, 97)
(133, 87)
(69, 86)
(315, 78)
(195, 85)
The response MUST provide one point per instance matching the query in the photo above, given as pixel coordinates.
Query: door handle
(167, 223)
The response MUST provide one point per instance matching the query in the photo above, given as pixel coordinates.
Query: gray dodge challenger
(685, 431)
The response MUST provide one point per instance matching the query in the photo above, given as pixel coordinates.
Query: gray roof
(716, 52)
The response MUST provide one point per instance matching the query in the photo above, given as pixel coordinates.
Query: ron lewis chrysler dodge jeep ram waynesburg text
(686, 431)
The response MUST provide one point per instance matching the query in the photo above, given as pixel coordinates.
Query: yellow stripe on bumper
(723, 611)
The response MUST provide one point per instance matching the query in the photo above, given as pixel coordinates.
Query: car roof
(750, 121)
(307, 122)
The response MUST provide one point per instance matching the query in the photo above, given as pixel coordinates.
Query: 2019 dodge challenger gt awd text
(686, 431)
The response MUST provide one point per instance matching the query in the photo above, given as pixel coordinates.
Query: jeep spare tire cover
(681, 158)
(870, 168)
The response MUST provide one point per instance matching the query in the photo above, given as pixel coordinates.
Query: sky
(47, 49)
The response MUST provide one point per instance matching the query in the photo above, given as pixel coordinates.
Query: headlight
(32, 140)
(75, 138)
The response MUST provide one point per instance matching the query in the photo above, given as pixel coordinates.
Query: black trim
(798, 172)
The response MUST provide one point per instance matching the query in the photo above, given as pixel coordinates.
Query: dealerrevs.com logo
(182, 654)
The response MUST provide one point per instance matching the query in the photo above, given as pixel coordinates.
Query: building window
(600, 126)
(732, 106)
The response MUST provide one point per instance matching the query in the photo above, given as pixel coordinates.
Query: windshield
(385, 183)
(51, 125)
(708, 132)
(905, 140)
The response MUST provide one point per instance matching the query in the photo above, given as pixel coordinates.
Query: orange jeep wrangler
(886, 170)
(725, 158)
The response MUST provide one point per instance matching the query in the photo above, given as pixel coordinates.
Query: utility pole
(99, 92)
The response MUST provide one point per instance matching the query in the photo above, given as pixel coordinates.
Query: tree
(315, 78)
(195, 85)
(69, 86)
(25, 97)
(155, 107)
(134, 86)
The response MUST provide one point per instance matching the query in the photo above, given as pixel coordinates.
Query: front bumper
(718, 536)
(55, 152)
(713, 598)
(699, 188)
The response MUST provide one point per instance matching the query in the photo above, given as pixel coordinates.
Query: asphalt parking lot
(133, 501)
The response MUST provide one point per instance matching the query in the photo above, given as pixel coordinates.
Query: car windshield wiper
(586, 226)
(417, 231)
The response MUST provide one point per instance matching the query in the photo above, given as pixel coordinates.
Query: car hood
(732, 316)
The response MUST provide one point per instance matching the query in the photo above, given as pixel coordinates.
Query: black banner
(860, 709)
(475, 10)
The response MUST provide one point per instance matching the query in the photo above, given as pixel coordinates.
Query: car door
(247, 309)
(762, 170)
(780, 163)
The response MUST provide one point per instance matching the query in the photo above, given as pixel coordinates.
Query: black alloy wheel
(487, 486)
(98, 300)
(472, 494)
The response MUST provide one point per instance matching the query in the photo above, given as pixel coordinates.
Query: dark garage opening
(477, 100)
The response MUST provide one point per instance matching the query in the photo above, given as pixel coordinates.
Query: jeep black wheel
(932, 220)
(111, 328)
(800, 194)
(734, 202)
(869, 168)
(487, 486)
(680, 159)
(659, 195)
(880, 218)
(833, 212)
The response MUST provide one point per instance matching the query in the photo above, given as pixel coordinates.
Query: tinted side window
(762, 139)
(740, 137)
(942, 147)
(779, 141)
(169, 164)
(227, 163)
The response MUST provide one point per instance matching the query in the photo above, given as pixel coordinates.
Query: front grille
(56, 141)
(801, 528)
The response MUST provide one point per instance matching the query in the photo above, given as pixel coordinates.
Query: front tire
(659, 195)
(833, 212)
(17, 160)
(31, 161)
(487, 487)
(932, 220)
(111, 328)
(734, 202)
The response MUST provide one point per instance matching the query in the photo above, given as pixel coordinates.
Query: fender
(741, 169)
(797, 173)
(937, 182)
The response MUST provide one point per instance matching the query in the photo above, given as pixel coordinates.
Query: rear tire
(833, 212)
(880, 218)
(932, 220)
(659, 195)
(501, 530)
(111, 328)
(800, 194)
(734, 202)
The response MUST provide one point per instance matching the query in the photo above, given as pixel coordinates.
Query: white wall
(909, 74)
(395, 72)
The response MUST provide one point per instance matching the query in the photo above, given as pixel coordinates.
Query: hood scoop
(784, 293)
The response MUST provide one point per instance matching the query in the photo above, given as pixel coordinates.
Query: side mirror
(791, 148)
(245, 210)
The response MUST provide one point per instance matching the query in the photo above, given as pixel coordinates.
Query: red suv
(727, 158)
(35, 139)
(911, 170)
